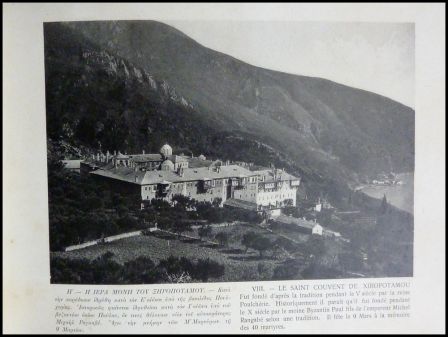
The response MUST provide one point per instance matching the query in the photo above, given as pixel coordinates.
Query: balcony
(163, 189)
(269, 186)
(205, 185)
(235, 182)
(295, 183)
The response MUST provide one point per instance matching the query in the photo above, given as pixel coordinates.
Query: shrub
(183, 201)
(315, 246)
(206, 268)
(248, 238)
(286, 244)
(142, 270)
(261, 244)
(287, 271)
(181, 227)
(127, 222)
(263, 271)
(173, 267)
(318, 271)
(222, 238)
(106, 270)
(204, 231)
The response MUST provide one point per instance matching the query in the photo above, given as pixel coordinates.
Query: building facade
(164, 175)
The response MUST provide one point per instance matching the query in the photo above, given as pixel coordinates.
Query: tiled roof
(141, 158)
(251, 206)
(122, 156)
(155, 177)
(177, 159)
(196, 162)
(267, 173)
(193, 174)
(72, 163)
(289, 220)
(146, 157)
(121, 173)
(94, 163)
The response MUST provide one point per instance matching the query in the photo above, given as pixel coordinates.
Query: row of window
(154, 187)
(212, 183)
(276, 196)
(217, 182)
(189, 194)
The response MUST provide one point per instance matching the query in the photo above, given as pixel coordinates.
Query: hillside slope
(136, 84)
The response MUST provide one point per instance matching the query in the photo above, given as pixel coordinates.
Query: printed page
(225, 168)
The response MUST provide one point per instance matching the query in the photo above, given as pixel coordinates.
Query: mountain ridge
(340, 132)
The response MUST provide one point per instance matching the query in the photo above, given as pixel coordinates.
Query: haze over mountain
(136, 84)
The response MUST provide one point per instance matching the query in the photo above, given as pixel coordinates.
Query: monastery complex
(164, 175)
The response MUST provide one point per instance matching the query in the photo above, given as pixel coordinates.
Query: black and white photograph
(229, 151)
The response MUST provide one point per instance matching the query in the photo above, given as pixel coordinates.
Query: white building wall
(317, 230)
(149, 192)
(182, 164)
(188, 189)
(251, 192)
(247, 193)
(219, 191)
(266, 197)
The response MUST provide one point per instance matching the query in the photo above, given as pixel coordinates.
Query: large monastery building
(164, 175)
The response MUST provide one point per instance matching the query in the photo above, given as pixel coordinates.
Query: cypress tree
(384, 205)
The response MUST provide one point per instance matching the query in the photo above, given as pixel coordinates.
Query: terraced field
(240, 265)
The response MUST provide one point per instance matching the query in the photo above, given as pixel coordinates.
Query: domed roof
(167, 165)
(166, 150)
(202, 157)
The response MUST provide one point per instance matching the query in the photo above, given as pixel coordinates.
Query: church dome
(167, 165)
(166, 150)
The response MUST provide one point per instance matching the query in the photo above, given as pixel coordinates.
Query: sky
(378, 57)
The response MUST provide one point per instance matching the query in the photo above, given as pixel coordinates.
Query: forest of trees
(142, 270)
(81, 209)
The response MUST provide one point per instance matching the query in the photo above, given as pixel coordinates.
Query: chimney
(98, 156)
(143, 152)
(115, 152)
